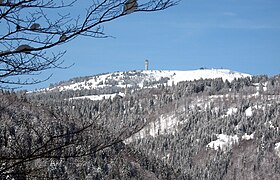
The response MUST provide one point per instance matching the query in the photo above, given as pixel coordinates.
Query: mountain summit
(144, 79)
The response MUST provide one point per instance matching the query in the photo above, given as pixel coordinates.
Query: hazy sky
(241, 35)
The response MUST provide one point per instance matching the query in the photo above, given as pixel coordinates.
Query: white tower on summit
(146, 65)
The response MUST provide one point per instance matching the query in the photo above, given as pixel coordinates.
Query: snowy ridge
(178, 76)
(151, 78)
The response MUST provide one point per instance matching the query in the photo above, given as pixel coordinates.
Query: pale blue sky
(241, 35)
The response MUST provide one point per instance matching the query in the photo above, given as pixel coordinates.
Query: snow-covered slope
(98, 97)
(142, 79)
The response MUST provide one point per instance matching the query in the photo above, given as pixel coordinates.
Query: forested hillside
(66, 140)
(201, 129)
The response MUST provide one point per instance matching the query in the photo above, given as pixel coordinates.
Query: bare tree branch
(35, 27)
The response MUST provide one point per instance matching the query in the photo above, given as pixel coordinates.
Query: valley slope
(201, 124)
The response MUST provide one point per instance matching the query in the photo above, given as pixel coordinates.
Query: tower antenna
(146, 65)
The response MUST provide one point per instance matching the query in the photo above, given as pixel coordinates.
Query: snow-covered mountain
(198, 126)
(142, 79)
